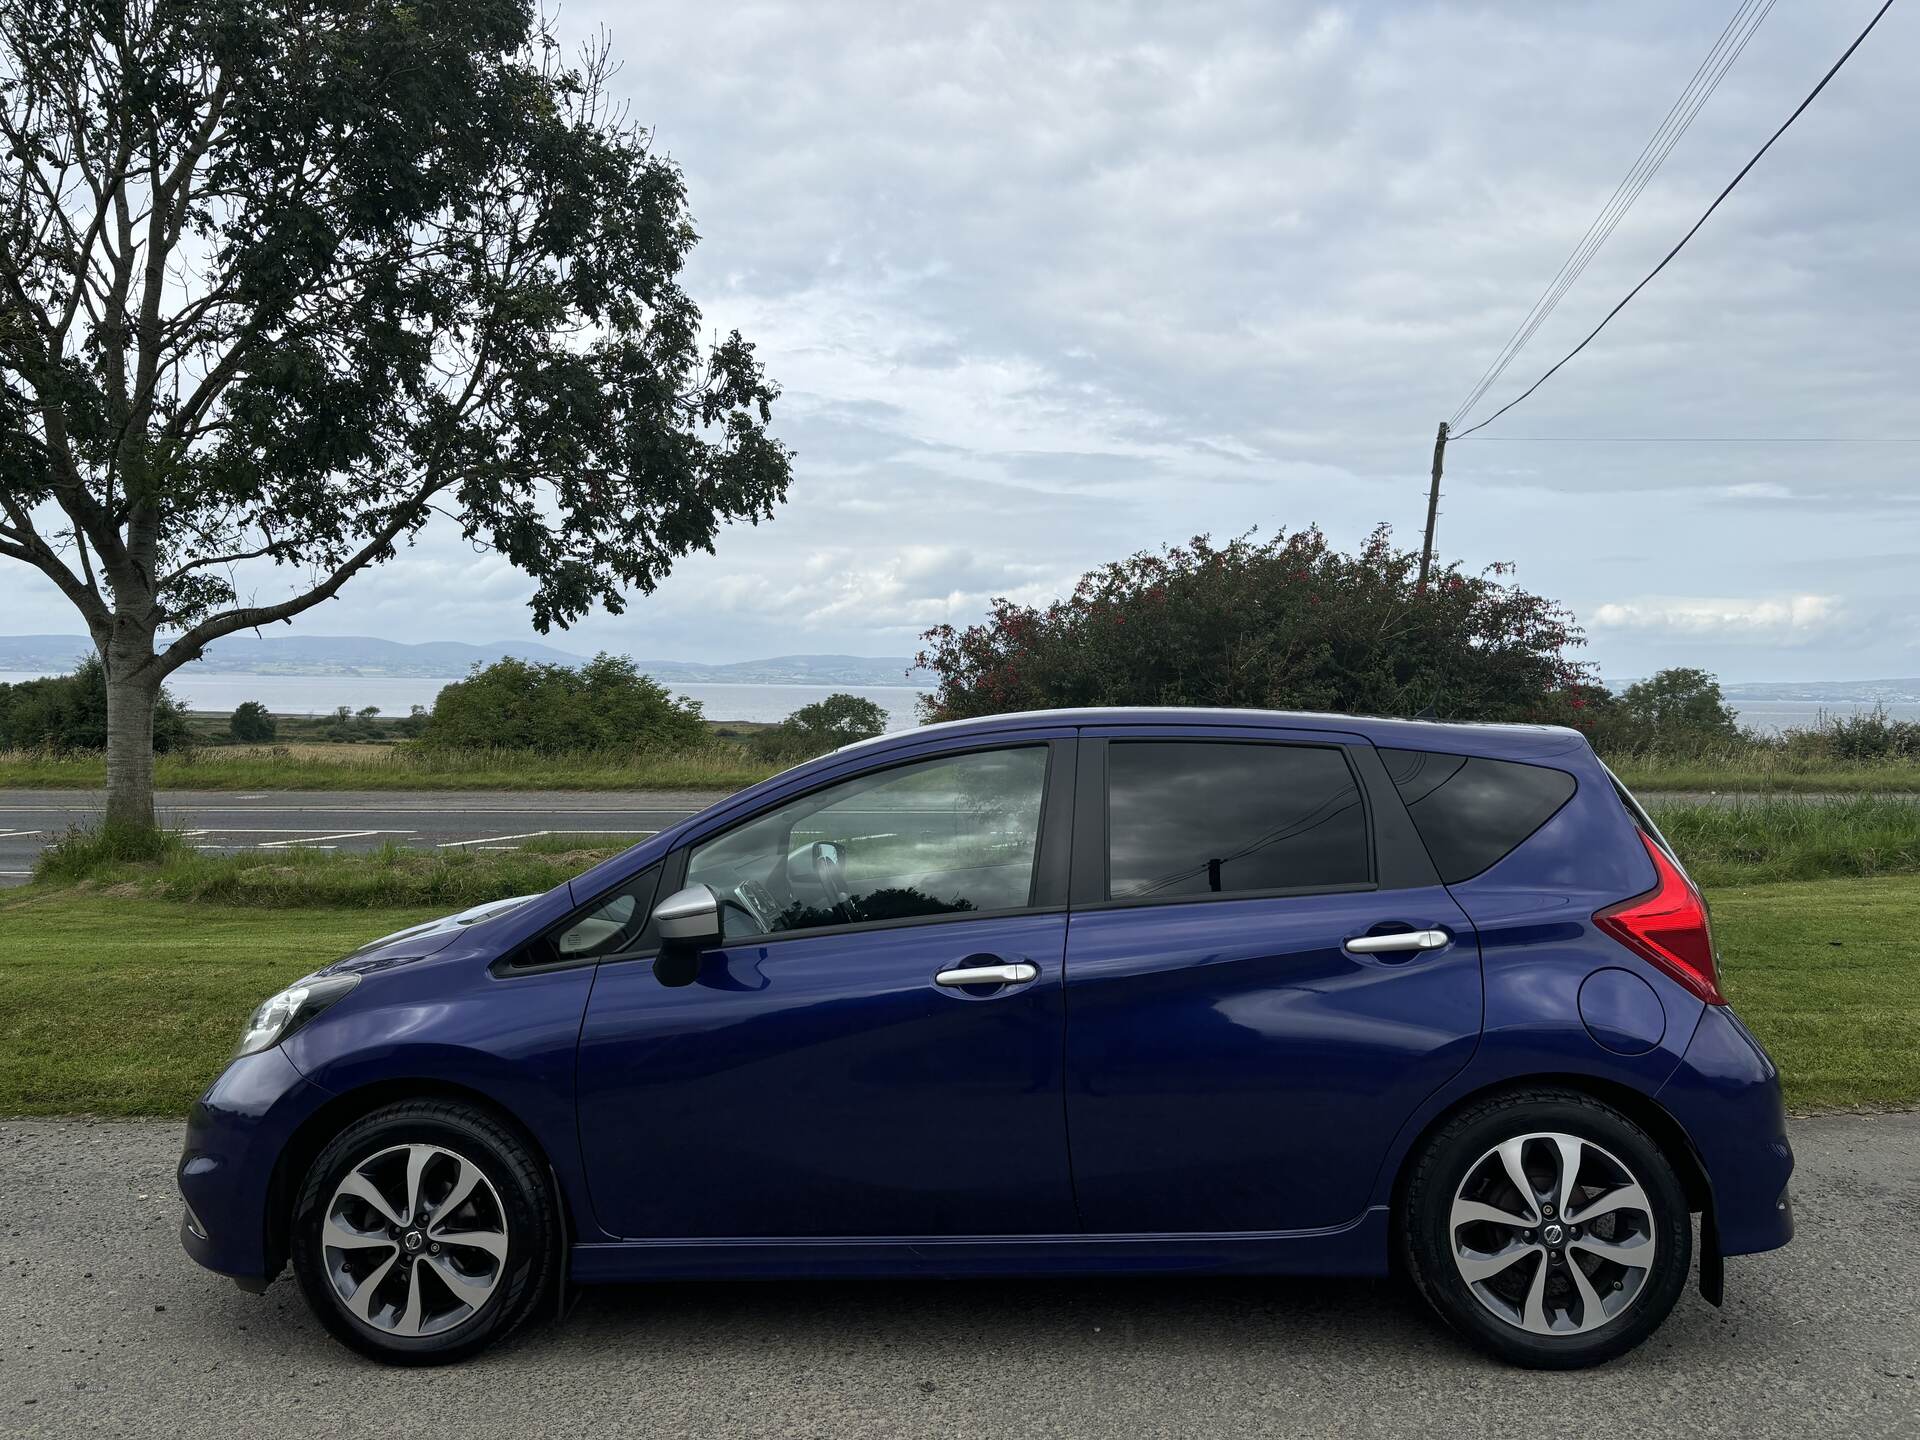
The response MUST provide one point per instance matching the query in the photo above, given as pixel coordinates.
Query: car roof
(1466, 737)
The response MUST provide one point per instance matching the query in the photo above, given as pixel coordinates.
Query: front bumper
(235, 1136)
(1726, 1093)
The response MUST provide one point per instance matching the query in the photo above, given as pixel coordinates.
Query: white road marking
(15, 835)
(322, 831)
(493, 841)
(315, 840)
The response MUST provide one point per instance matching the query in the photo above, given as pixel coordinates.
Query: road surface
(349, 820)
(106, 1327)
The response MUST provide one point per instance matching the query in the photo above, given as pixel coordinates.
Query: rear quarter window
(1472, 811)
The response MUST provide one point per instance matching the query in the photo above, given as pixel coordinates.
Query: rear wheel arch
(1636, 1105)
(319, 1128)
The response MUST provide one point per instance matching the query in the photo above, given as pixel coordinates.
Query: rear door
(1264, 978)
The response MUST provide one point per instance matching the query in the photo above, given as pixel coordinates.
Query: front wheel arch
(314, 1133)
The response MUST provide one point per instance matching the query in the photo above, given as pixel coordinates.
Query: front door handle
(1402, 940)
(1018, 973)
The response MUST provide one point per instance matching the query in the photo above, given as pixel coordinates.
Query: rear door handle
(1403, 940)
(1017, 973)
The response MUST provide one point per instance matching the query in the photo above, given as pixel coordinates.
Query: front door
(832, 1071)
(1249, 1021)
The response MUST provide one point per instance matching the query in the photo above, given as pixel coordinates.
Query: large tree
(282, 280)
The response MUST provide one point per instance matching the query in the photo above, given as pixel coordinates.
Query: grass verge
(298, 879)
(130, 1009)
(720, 765)
(1753, 841)
(1765, 772)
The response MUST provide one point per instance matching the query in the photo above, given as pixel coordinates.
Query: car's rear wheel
(424, 1232)
(1548, 1228)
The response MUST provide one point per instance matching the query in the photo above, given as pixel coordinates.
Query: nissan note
(1096, 991)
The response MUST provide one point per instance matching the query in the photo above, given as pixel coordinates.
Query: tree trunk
(130, 700)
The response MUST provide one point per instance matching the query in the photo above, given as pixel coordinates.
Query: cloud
(1789, 620)
(1048, 284)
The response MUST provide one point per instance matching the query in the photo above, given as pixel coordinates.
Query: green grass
(1825, 973)
(131, 1008)
(1755, 840)
(1766, 772)
(718, 765)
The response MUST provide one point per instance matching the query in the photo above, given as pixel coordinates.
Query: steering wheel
(832, 878)
(752, 901)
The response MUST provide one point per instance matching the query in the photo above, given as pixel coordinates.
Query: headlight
(280, 1015)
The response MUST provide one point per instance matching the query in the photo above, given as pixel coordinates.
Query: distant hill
(437, 659)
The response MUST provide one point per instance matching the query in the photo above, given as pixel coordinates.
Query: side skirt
(1356, 1248)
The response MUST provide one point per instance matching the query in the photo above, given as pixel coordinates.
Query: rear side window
(1191, 818)
(1472, 811)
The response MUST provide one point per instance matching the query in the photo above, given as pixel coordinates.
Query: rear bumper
(1726, 1093)
(235, 1135)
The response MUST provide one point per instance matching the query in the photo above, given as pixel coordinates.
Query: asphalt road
(106, 1327)
(349, 820)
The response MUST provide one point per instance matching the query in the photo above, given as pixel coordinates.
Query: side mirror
(688, 922)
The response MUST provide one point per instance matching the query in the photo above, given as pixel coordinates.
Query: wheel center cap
(412, 1241)
(1552, 1234)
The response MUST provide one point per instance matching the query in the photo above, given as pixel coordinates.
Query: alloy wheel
(1552, 1233)
(414, 1240)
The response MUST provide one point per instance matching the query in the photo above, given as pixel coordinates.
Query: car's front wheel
(1548, 1228)
(423, 1233)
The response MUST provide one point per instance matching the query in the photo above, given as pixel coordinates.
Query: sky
(1045, 284)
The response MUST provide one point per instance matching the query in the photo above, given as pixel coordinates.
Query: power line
(1812, 95)
(1705, 439)
(1679, 119)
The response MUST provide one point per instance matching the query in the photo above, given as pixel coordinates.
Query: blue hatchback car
(1101, 991)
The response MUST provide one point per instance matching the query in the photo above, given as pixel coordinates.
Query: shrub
(548, 708)
(1283, 623)
(825, 725)
(69, 712)
(251, 721)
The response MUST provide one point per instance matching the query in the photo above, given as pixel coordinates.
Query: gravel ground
(107, 1328)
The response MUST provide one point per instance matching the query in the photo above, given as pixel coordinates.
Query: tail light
(1667, 927)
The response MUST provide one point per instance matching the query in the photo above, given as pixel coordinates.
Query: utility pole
(1433, 503)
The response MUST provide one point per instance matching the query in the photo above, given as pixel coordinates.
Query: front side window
(1188, 817)
(940, 837)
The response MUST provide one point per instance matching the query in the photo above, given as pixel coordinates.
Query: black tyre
(424, 1232)
(1547, 1228)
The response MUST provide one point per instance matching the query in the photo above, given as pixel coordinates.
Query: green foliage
(1870, 736)
(551, 708)
(1679, 711)
(825, 725)
(1283, 623)
(64, 713)
(252, 722)
(349, 726)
